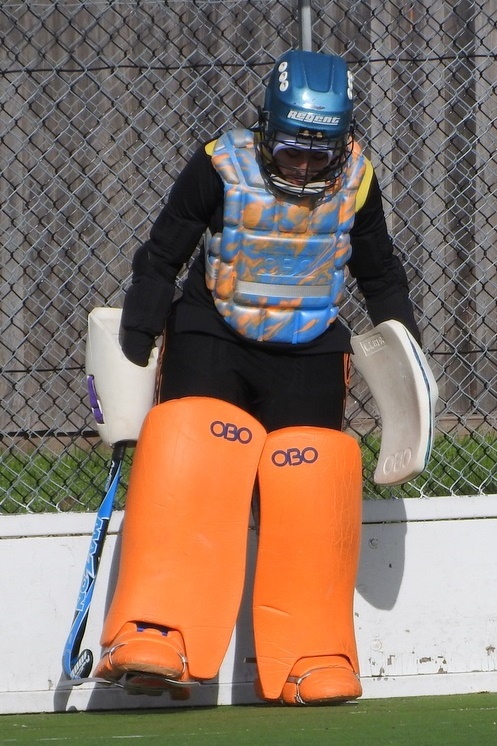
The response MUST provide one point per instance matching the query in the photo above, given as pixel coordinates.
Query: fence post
(305, 25)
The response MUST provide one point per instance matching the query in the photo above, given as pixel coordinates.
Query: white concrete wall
(426, 607)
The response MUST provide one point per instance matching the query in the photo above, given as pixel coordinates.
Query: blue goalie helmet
(306, 118)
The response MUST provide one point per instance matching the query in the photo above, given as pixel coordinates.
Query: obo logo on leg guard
(294, 456)
(229, 431)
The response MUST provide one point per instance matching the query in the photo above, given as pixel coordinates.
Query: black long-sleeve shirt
(196, 203)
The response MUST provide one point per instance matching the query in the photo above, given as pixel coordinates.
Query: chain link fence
(101, 105)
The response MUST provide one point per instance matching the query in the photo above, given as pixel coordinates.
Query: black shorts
(280, 389)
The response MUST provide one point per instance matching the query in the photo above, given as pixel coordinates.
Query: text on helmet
(310, 118)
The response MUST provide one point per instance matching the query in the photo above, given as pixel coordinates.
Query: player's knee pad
(183, 552)
(310, 483)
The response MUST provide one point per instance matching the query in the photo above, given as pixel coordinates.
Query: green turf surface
(467, 720)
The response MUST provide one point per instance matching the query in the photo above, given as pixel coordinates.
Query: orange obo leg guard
(182, 562)
(310, 492)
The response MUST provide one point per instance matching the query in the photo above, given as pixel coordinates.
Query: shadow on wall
(382, 553)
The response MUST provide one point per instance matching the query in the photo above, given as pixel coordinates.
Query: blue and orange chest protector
(277, 270)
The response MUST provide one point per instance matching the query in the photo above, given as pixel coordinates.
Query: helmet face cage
(307, 180)
(308, 106)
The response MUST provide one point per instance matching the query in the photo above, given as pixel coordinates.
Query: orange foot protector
(310, 492)
(320, 680)
(147, 649)
(182, 564)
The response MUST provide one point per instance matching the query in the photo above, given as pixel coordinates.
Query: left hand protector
(121, 393)
(405, 391)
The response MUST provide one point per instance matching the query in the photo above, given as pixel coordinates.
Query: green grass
(44, 482)
(458, 720)
(458, 466)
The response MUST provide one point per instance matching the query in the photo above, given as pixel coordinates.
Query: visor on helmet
(284, 143)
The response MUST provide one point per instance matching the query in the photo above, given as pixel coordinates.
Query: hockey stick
(78, 665)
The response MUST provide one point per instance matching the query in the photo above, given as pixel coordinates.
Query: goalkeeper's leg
(182, 563)
(310, 493)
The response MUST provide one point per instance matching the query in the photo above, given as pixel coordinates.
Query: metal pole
(305, 25)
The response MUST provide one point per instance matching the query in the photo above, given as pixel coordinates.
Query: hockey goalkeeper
(253, 384)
